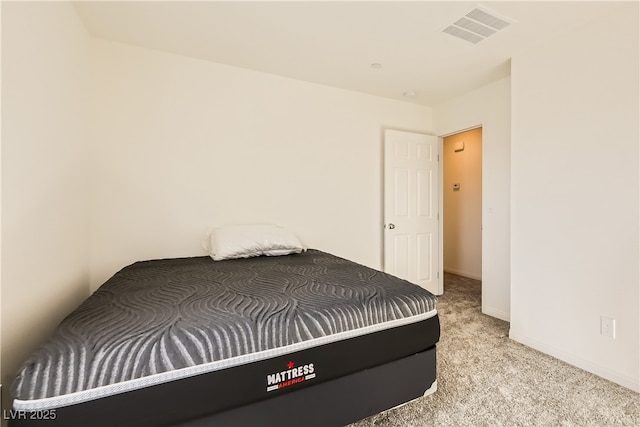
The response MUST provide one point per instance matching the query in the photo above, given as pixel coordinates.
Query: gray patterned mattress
(157, 321)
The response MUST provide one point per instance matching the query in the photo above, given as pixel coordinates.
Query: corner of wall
(489, 107)
(43, 258)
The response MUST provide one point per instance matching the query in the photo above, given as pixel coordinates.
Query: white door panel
(411, 197)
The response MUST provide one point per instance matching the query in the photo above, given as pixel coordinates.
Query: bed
(302, 339)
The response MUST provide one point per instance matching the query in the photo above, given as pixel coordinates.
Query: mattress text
(292, 375)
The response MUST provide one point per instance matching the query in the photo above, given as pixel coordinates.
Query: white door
(411, 205)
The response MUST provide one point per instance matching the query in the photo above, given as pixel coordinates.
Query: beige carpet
(486, 379)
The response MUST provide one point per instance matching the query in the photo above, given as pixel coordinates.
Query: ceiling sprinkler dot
(376, 65)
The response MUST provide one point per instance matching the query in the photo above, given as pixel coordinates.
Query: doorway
(462, 203)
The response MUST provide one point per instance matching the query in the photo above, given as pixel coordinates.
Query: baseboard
(608, 374)
(493, 312)
(462, 273)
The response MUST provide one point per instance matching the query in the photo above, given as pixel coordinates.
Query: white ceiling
(335, 43)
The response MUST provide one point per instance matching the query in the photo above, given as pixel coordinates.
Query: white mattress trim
(150, 380)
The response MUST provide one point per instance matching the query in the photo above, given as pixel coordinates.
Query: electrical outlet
(608, 326)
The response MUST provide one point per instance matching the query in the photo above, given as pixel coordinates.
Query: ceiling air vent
(476, 26)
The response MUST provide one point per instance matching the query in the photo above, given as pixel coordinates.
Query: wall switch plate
(608, 326)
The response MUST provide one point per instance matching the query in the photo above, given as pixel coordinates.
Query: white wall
(575, 235)
(44, 174)
(490, 107)
(183, 144)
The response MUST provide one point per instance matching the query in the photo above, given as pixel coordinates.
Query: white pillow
(245, 241)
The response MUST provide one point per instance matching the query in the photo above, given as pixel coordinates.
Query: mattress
(158, 323)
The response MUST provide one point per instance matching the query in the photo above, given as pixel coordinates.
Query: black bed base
(242, 386)
(335, 402)
(340, 401)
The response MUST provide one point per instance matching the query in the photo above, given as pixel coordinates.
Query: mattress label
(291, 376)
